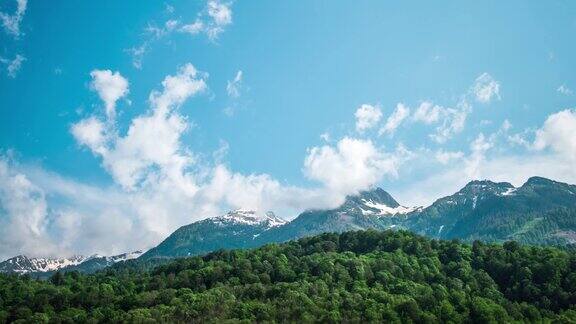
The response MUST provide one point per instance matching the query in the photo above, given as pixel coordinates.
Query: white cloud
(453, 122)
(396, 118)
(110, 86)
(92, 133)
(233, 87)
(444, 157)
(193, 28)
(485, 88)
(221, 16)
(479, 147)
(13, 66)
(152, 140)
(559, 134)
(367, 116)
(325, 136)
(138, 54)
(551, 154)
(159, 32)
(506, 125)
(563, 89)
(352, 165)
(213, 21)
(428, 113)
(11, 23)
(23, 213)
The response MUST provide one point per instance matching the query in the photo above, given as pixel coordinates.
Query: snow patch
(249, 217)
(509, 192)
(385, 209)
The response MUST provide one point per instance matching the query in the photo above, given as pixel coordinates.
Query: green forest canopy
(369, 275)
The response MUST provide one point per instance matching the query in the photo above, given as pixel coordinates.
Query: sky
(121, 123)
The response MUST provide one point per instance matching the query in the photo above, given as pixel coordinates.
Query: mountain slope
(22, 264)
(236, 229)
(493, 211)
(45, 267)
(369, 209)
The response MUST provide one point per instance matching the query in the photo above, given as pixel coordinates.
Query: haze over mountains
(541, 211)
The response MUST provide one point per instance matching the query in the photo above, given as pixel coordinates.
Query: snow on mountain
(124, 256)
(249, 217)
(23, 264)
(385, 210)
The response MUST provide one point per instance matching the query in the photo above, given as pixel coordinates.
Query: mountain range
(541, 211)
(45, 267)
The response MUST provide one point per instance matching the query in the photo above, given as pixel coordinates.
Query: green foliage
(365, 276)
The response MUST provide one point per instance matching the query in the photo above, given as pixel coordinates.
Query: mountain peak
(375, 201)
(24, 264)
(539, 181)
(486, 186)
(250, 217)
(376, 195)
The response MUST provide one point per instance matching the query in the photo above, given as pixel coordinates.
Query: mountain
(45, 267)
(491, 211)
(22, 264)
(369, 209)
(236, 229)
(541, 211)
(98, 262)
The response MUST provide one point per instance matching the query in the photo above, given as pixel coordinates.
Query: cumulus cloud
(559, 134)
(91, 132)
(485, 88)
(153, 139)
(453, 122)
(233, 87)
(428, 113)
(23, 213)
(367, 116)
(396, 118)
(352, 165)
(11, 23)
(110, 86)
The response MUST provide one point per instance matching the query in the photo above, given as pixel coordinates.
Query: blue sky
(267, 105)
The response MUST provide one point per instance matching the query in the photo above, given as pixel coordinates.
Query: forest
(359, 276)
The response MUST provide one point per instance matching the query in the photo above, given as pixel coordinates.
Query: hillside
(390, 276)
